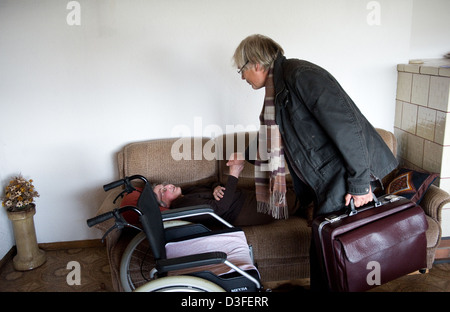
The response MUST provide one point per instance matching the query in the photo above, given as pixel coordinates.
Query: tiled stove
(422, 121)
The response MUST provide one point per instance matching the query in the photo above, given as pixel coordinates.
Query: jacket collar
(278, 73)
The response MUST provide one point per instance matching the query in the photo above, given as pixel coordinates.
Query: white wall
(72, 96)
(430, 29)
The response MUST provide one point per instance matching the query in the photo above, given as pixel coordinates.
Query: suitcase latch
(333, 218)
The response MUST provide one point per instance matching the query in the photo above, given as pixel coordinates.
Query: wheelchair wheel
(181, 283)
(137, 260)
(136, 264)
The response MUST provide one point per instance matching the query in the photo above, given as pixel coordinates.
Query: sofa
(281, 248)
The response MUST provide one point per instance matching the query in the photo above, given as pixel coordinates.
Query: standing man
(309, 122)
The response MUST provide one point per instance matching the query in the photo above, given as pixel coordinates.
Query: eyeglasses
(242, 68)
(161, 192)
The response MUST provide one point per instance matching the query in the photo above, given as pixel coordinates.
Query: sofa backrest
(175, 160)
(230, 143)
(390, 140)
(186, 161)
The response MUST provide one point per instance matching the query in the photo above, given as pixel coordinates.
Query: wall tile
(414, 149)
(419, 91)
(444, 71)
(445, 223)
(398, 114)
(439, 93)
(442, 131)
(412, 68)
(444, 183)
(426, 123)
(409, 117)
(432, 158)
(445, 167)
(401, 142)
(429, 70)
(404, 83)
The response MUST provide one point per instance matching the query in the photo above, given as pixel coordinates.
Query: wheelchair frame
(159, 227)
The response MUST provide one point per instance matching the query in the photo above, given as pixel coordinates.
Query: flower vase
(29, 256)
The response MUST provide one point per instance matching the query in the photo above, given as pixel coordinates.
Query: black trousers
(305, 197)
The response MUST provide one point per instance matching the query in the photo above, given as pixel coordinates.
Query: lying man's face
(166, 193)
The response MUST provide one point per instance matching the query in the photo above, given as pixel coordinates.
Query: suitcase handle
(353, 210)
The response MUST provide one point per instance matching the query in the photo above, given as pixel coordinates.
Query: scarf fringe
(273, 207)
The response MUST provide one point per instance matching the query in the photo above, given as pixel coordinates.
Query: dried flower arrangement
(19, 194)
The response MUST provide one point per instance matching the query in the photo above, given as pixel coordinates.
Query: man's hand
(218, 192)
(359, 200)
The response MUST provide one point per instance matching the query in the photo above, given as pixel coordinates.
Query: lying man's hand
(218, 192)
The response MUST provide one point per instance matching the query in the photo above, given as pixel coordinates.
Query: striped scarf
(270, 179)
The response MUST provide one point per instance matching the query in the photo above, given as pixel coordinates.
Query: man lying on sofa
(230, 203)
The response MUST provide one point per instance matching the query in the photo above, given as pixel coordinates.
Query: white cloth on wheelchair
(234, 244)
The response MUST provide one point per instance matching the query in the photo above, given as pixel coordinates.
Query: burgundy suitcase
(371, 245)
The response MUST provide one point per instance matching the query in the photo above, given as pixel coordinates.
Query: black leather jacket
(329, 144)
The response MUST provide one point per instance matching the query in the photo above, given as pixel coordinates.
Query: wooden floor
(94, 271)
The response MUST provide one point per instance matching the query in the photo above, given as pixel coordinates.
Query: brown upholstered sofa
(281, 248)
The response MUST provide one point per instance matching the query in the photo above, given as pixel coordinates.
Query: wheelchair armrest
(192, 211)
(179, 263)
(177, 213)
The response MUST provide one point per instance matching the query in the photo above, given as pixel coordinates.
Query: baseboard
(88, 243)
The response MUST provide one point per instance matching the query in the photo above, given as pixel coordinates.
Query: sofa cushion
(281, 248)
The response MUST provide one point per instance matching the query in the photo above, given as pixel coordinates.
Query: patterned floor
(436, 280)
(53, 276)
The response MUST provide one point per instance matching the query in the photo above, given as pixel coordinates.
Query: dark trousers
(317, 277)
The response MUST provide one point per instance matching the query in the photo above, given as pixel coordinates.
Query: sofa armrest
(113, 252)
(434, 201)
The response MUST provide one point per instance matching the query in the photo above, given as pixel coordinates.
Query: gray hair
(256, 49)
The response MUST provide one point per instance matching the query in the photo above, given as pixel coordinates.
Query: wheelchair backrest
(152, 221)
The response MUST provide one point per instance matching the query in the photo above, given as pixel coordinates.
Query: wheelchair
(185, 256)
